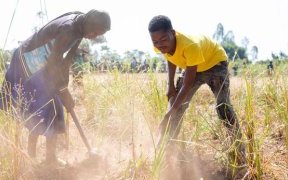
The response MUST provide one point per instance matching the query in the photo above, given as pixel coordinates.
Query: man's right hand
(171, 92)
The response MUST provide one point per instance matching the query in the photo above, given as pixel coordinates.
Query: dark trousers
(217, 78)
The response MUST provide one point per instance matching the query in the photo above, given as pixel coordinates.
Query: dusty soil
(123, 154)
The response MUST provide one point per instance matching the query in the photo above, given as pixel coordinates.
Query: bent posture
(37, 79)
(204, 62)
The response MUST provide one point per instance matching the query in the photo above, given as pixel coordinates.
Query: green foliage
(233, 51)
(5, 57)
(228, 42)
(219, 33)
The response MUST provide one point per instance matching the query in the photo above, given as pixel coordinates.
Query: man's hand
(171, 92)
(179, 83)
(171, 86)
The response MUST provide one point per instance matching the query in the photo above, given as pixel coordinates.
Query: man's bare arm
(171, 75)
(188, 82)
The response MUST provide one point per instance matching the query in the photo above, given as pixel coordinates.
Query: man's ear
(173, 32)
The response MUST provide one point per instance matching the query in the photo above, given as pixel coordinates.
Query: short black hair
(96, 19)
(160, 22)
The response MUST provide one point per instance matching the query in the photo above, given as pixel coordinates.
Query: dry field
(120, 115)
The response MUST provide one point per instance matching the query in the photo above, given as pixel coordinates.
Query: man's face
(164, 41)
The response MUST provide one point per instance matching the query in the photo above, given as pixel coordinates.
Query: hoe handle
(75, 119)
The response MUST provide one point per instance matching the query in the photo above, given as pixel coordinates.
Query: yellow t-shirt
(196, 50)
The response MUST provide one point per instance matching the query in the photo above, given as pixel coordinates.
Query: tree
(283, 55)
(229, 45)
(219, 33)
(242, 53)
(274, 56)
(279, 56)
(138, 54)
(5, 57)
(245, 42)
(228, 42)
(108, 55)
(232, 49)
(254, 52)
(229, 38)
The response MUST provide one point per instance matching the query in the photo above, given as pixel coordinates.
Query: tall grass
(120, 113)
(254, 161)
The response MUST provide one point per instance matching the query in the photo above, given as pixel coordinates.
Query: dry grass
(120, 114)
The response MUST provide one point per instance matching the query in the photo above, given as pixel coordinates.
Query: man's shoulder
(192, 39)
(184, 40)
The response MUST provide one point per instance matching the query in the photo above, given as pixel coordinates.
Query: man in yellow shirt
(205, 62)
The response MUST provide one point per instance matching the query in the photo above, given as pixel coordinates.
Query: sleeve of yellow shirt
(193, 55)
(156, 50)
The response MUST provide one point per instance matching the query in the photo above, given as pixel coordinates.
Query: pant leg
(218, 81)
(219, 84)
